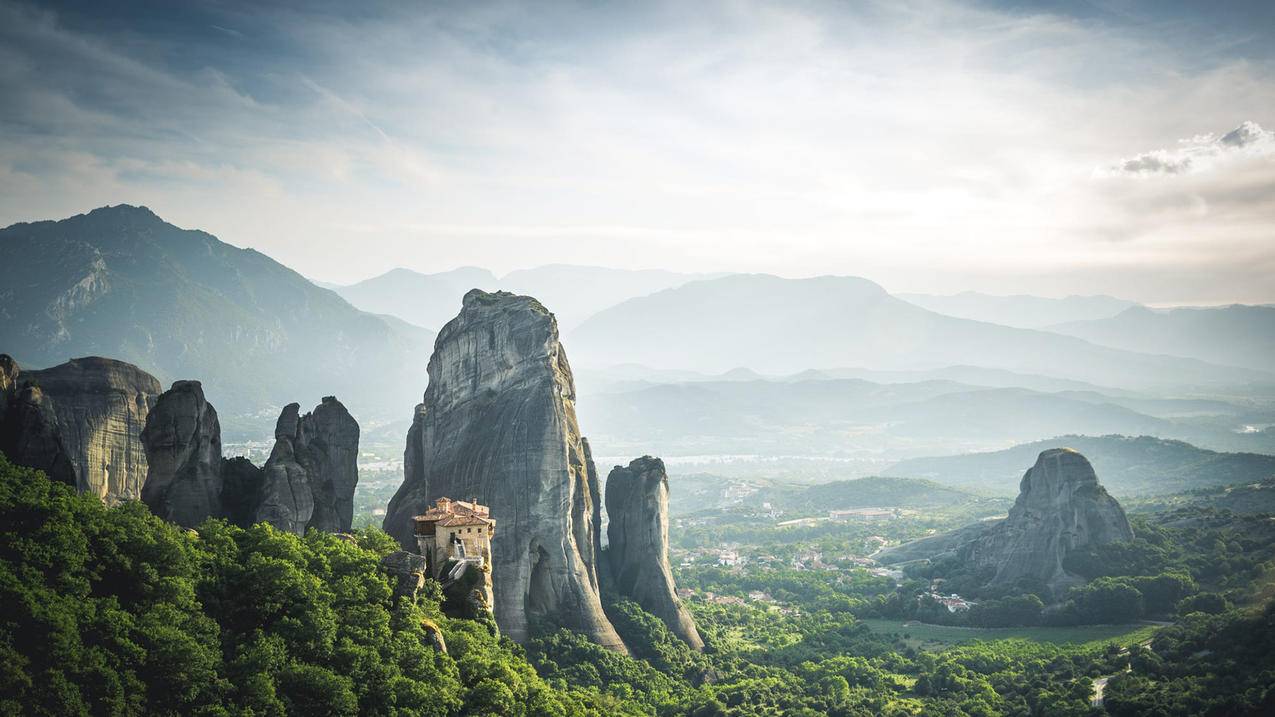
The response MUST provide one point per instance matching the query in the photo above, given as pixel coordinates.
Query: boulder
(408, 571)
(637, 552)
(498, 424)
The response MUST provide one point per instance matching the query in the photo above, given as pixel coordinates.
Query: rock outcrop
(29, 428)
(408, 570)
(1060, 507)
(80, 422)
(637, 551)
(308, 481)
(312, 471)
(182, 439)
(498, 423)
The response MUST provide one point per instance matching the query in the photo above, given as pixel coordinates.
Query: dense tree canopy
(113, 611)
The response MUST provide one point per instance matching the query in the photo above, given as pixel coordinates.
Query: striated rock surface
(1060, 507)
(309, 479)
(498, 424)
(637, 505)
(81, 422)
(182, 439)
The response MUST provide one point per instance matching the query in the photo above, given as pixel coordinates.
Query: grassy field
(936, 637)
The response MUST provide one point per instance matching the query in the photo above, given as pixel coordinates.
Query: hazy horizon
(1119, 148)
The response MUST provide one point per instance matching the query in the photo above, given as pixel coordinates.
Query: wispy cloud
(1202, 153)
(755, 136)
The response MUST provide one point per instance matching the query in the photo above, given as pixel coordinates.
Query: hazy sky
(930, 146)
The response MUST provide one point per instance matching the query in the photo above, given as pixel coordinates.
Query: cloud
(747, 135)
(1202, 152)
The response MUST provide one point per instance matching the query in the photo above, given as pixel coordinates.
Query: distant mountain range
(776, 325)
(865, 423)
(122, 283)
(879, 491)
(572, 292)
(666, 361)
(1229, 335)
(1126, 466)
(1020, 310)
(428, 300)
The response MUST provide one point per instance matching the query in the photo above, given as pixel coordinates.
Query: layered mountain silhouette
(575, 292)
(429, 300)
(1131, 466)
(777, 325)
(1234, 335)
(831, 417)
(121, 282)
(1022, 310)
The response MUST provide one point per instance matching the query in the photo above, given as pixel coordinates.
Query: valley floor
(936, 637)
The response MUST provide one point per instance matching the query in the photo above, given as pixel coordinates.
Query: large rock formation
(29, 428)
(1060, 507)
(311, 473)
(182, 438)
(80, 422)
(308, 481)
(637, 552)
(498, 424)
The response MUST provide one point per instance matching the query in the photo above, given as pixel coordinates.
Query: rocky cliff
(498, 424)
(80, 422)
(1060, 507)
(310, 476)
(637, 552)
(182, 439)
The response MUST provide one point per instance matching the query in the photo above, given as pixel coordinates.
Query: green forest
(111, 611)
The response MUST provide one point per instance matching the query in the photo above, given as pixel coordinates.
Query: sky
(1121, 147)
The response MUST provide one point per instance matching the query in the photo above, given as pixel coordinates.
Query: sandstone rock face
(182, 439)
(95, 408)
(333, 448)
(637, 505)
(9, 371)
(601, 574)
(29, 428)
(498, 424)
(1060, 507)
(312, 471)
